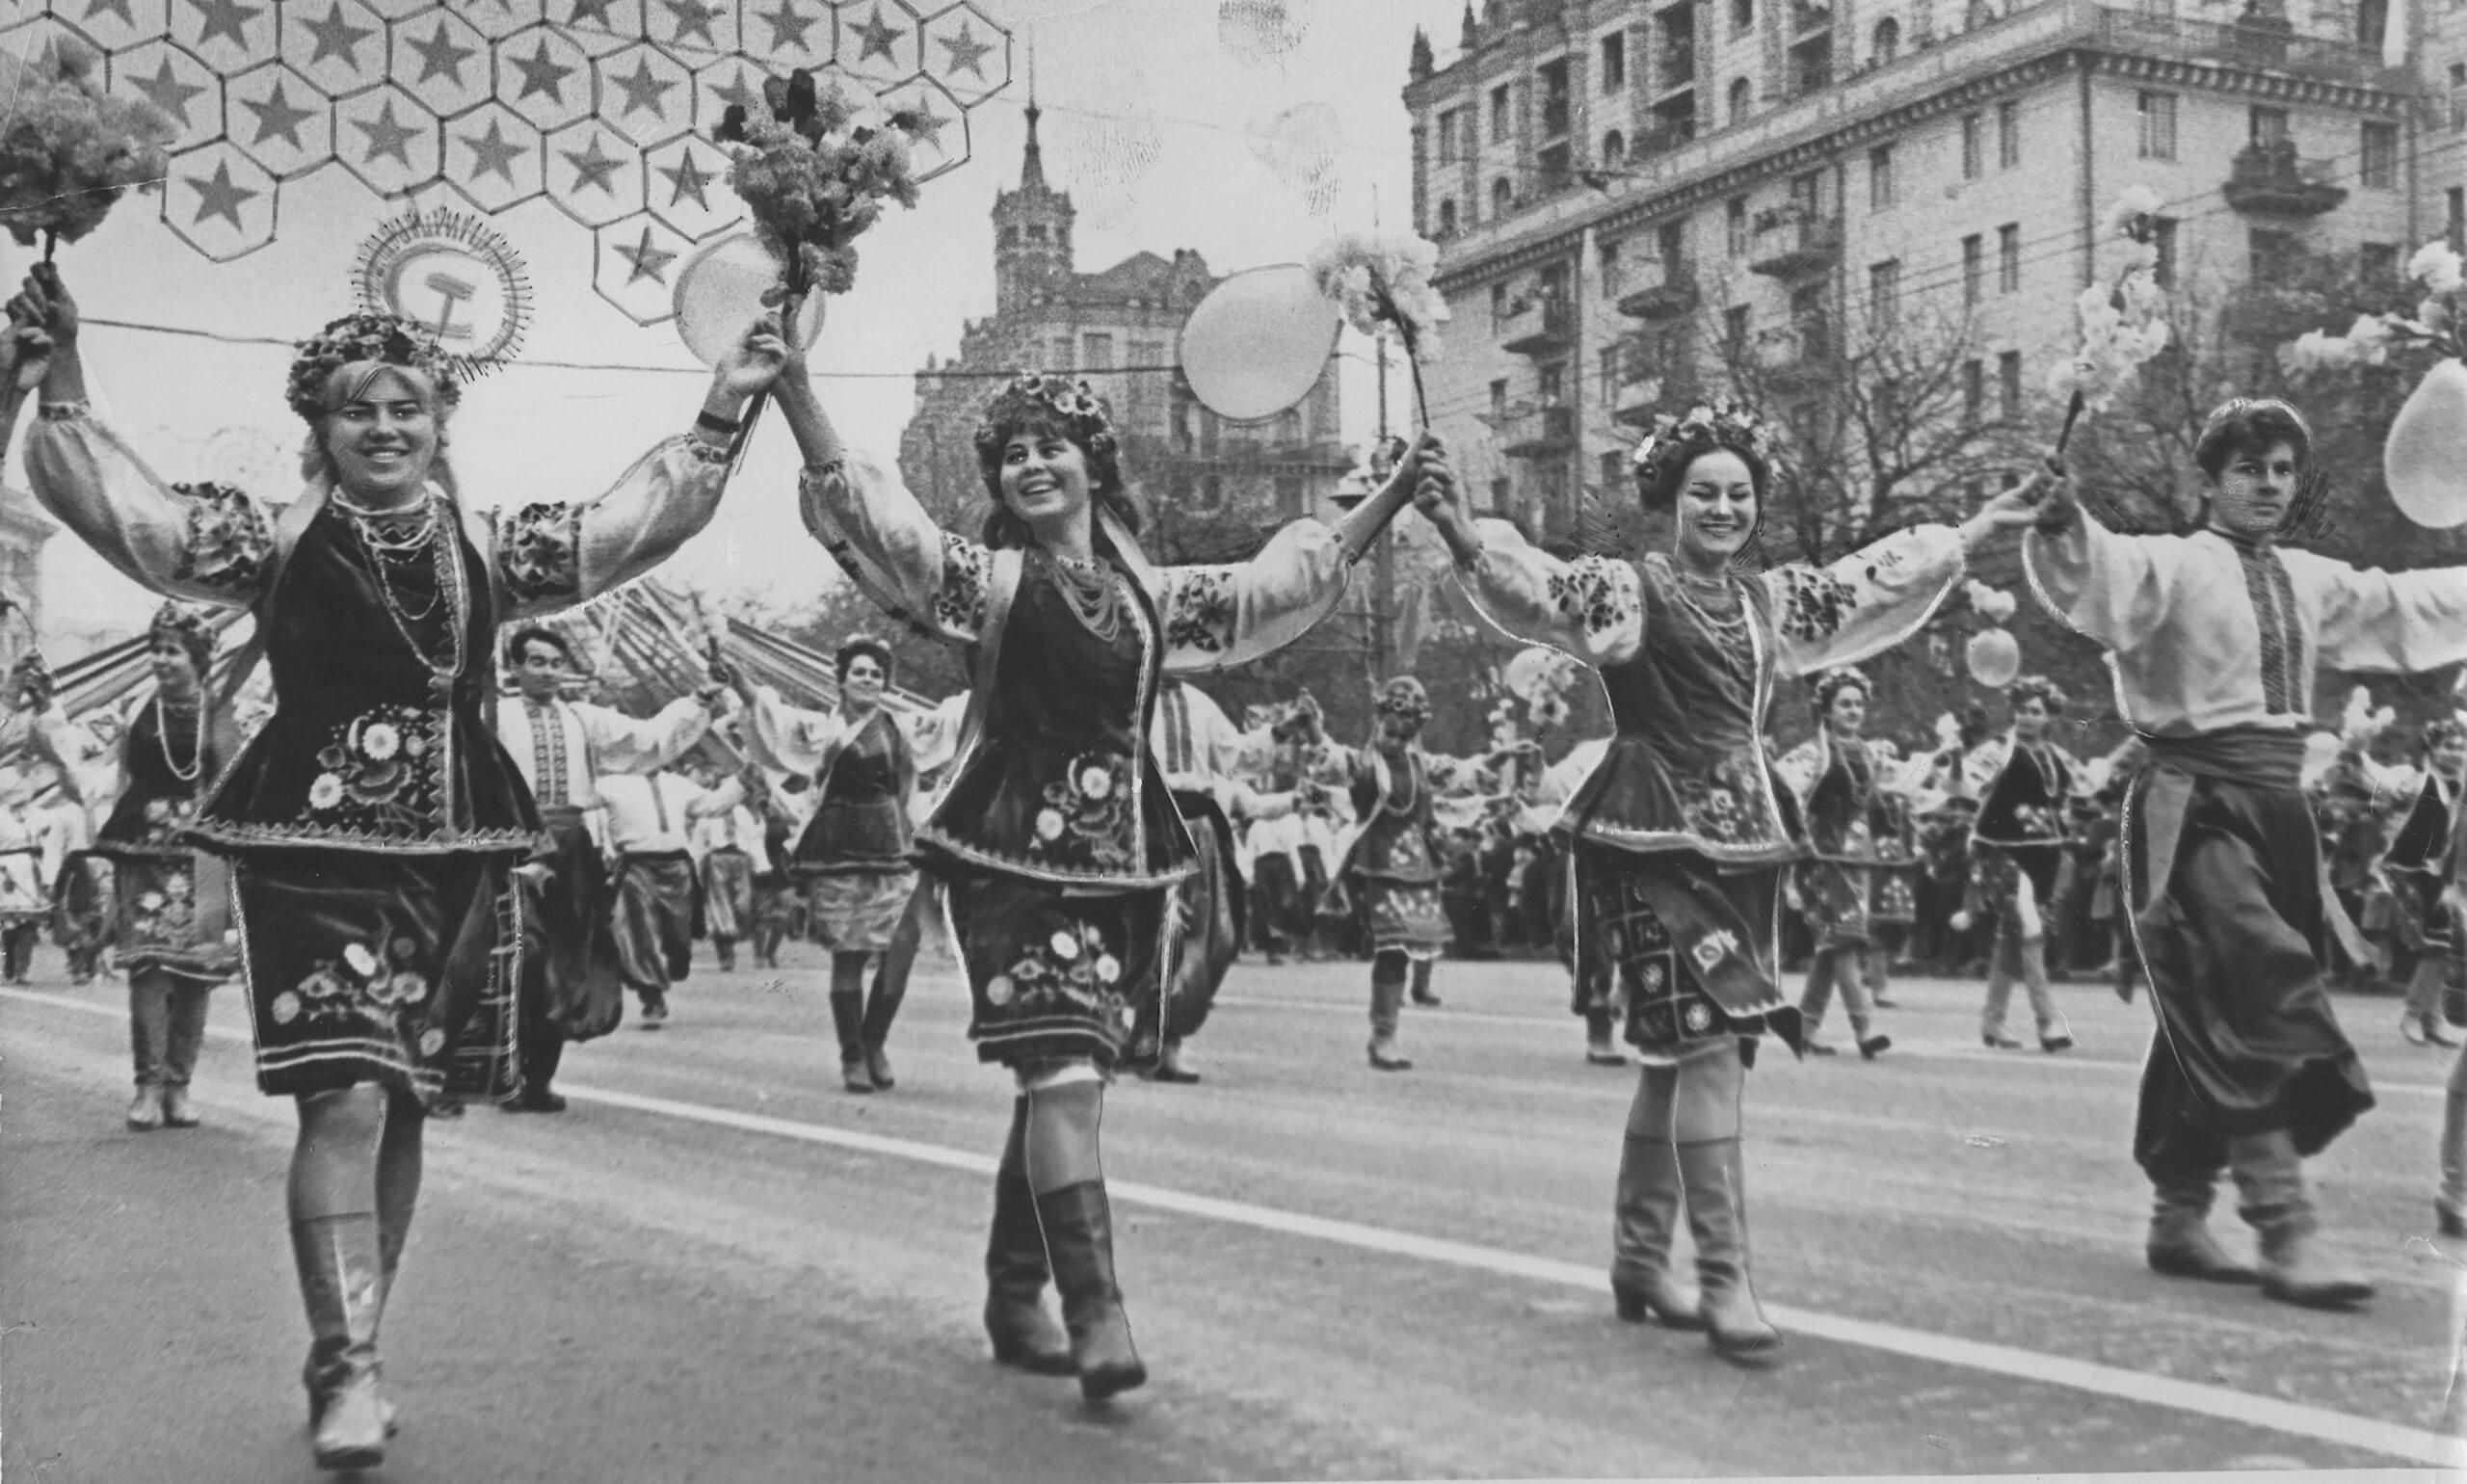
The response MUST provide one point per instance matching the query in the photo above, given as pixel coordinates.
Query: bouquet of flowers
(1992, 603)
(1383, 283)
(815, 176)
(2437, 324)
(68, 151)
(2123, 323)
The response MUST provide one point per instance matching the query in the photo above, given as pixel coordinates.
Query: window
(1036, 231)
(1061, 352)
(1734, 227)
(1735, 329)
(2158, 125)
(1614, 150)
(1973, 268)
(1974, 392)
(1096, 351)
(1611, 268)
(2456, 200)
(1884, 291)
(1498, 400)
(1498, 306)
(1614, 61)
(1500, 493)
(1742, 99)
(2008, 258)
(1670, 243)
(1551, 385)
(1888, 40)
(1880, 178)
(2009, 135)
(2008, 384)
(2377, 262)
(1502, 198)
(2379, 162)
(1447, 219)
(1743, 17)
(2162, 236)
(1451, 146)
(2459, 94)
(2265, 125)
(1807, 194)
(1973, 148)
(1554, 98)
(1498, 115)
(1010, 236)
(2271, 254)
(1609, 376)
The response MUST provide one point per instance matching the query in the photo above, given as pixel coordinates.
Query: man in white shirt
(729, 854)
(566, 750)
(650, 819)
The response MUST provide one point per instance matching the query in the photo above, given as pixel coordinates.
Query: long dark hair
(1057, 406)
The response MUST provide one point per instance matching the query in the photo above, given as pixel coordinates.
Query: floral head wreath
(1074, 406)
(1677, 441)
(1404, 696)
(186, 627)
(2443, 731)
(2038, 688)
(1830, 685)
(367, 336)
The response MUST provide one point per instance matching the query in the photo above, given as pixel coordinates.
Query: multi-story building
(1208, 485)
(1633, 197)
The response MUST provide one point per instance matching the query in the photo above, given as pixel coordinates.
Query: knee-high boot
(1023, 1333)
(1079, 1241)
(2181, 1244)
(2269, 1177)
(1642, 1227)
(341, 1286)
(848, 1019)
(1718, 1216)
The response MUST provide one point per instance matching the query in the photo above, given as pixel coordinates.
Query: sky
(1173, 123)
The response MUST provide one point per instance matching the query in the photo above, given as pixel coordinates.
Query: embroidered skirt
(1053, 976)
(1690, 949)
(1834, 903)
(727, 893)
(173, 916)
(655, 896)
(1402, 917)
(365, 967)
(858, 912)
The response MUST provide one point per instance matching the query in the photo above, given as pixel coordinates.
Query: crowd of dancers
(433, 867)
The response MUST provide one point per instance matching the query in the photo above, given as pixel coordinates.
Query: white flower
(150, 901)
(380, 741)
(2313, 351)
(998, 990)
(2371, 336)
(1380, 281)
(2136, 201)
(1108, 969)
(326, 792)
(1096, 783)
(358, 960)
(286, 1008)
(1066, 946)
(2437, 264)
(1048, 823)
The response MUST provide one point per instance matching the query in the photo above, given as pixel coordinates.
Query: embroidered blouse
(1853, 793)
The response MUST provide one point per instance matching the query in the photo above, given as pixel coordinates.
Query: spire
(1032, 169)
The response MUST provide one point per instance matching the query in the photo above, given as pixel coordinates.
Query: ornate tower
(1031, 230)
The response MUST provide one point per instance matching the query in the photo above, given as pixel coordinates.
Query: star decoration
(878, 38)
(643, 91)
(686, 178)
(440, 57)
(593, 167)
(226, 17)
(492, 155)
(277, 116)
(220, 198)
(592, 14)
(338, 37)
(648, 261)
(388, 135)
(692, 15)
(166, 92)
(119, 8)
(787, 27)
(922, 124)
(965, 53)
(742, 93)
(541, 73)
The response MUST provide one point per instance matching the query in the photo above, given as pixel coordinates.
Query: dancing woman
(1842, 782)
(2016, 847)
(372, 825)
(1679, 836)
(2417, 868)
(1058, 838)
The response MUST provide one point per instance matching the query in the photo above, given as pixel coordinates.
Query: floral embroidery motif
(165, 914)
(166, 820)
(366, 981)
(1591, 593)
(380, 772)
(1086, 815)
(1722, 806)
(967, 583)
(1202, 611)
(228, 538)
(1814, 605)
(540, 553)
(1074, 965)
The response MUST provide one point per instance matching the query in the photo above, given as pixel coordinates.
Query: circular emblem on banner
(455, 275)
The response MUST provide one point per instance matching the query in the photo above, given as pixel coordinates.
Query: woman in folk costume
(1057, 839)
(373, 824)
(2417, 868)
(2215, 638)
(2016, 846)
(1680, 836)
(1843, 783)
(852, 856)
(24, 903)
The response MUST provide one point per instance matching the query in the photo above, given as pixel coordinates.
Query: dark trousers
(166, 1027)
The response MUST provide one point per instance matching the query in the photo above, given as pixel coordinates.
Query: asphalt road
(719, 1266)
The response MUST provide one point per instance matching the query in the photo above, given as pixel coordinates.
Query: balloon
(1994, 657)
(719, 295)
(1260, 341)
(2425, 457)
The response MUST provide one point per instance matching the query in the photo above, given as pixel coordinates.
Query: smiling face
(1716, 506)
(382, 439)
(2251, 495)
(539, 670)
(174, 670)
(2030, 719)
(861, 685)
(2450, 757)
(1848, 712)
(1044, 478)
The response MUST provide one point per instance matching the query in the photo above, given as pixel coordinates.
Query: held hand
(25, 357)
(48, 304)
(1441, 499)
(754, 363)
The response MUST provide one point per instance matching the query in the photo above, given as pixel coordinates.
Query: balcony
(1793, 242)
(1807, 20)
(1539, 433)
(1555, 115)
(2258, 45)
(1537, 327)
(1675, 69)
(1795, 359)
(2268, 180)
(1662, 290)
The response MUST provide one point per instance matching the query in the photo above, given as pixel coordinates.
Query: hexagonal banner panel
(686, 183)
(968, 53)
(442, 60)
(388, 141)
(634, 267)
(280, 119)
(721, 84)
(497, 19)
(36, 35)
(174, 80)
(645, 94)
(493, 156)
(112, 23)
(338, 44)
(543, 76)
(937, 126)
(228, 34)
(594, 176)
(695, 32)
(597, 26)
(220, 202)
(877, 40)
(785, 34)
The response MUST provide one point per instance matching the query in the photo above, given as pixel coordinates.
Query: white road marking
(2294, 1418)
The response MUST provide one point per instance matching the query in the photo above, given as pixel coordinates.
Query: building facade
(1634, 197)
(1208, 487)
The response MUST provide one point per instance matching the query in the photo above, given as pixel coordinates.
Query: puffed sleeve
(1867, 602)
(789, 737)
(936, 583)
(1221, 615)
(934, 736)
(2384, 623)
(1592, 608)
(210, 545)
(552, 555)
(2112, 590)
(624, 744)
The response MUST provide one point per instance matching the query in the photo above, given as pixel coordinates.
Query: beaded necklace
(163, 740)
(1094, 594)
(449, 585)
(1729, 635)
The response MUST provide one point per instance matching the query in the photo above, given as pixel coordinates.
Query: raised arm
(1219, 616)
(1866, 602)
(2380, 622)
(787, 737)
(2112, 590)
(624, 744)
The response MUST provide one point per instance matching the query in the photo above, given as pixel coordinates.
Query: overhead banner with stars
(605, 107)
